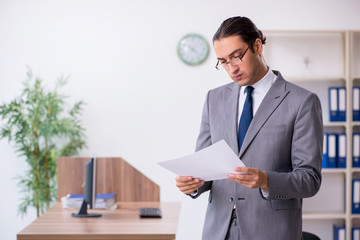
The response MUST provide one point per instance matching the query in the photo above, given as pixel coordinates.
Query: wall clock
(193, 49)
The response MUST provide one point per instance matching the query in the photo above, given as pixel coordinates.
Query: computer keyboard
(150, 212)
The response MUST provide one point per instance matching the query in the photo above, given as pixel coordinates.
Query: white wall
(143, 103)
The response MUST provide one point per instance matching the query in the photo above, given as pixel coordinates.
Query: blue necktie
(246, 116)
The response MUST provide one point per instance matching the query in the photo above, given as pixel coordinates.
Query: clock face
(193, 49)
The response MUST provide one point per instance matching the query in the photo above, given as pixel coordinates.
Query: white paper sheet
(211, 163)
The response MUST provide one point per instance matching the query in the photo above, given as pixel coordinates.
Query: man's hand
(253, 178)
(188, 184)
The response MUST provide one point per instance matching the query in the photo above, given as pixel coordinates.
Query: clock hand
(193, 49)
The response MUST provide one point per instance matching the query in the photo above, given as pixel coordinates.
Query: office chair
(309, 236)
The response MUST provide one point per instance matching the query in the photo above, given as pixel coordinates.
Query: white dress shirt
(261, 88)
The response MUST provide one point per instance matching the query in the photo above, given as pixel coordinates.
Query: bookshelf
(317, 60)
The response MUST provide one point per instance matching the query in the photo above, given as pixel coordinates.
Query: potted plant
(41, 129)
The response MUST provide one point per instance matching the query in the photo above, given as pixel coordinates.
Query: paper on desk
(211, 163)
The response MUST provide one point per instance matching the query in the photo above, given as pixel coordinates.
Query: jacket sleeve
(306, 154)
(203, 141)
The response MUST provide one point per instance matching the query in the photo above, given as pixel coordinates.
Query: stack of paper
(103, 201)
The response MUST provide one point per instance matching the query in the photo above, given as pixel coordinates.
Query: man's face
(246, 71)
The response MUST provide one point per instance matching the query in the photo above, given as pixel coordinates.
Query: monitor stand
(83, 212)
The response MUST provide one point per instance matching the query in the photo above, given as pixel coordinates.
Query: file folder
(341, 150)
(333, 104)
(331, 150)
(339, 232)
(356, 104)
(356, 150)
(356, 196)
(342, 104)
(325, 152)
(355, 233)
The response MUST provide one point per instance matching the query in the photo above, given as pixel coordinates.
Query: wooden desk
(122, 223)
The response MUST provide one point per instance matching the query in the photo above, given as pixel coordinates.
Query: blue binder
(339, 232)
(341, 103)
(356, 150)
(356, 103)
(355, 196)
(331, 150)
(341, 151)
(325, 157)
(333, 104)
(355, 233)
(337, 104)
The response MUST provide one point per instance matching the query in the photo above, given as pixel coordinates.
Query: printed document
(211, 163)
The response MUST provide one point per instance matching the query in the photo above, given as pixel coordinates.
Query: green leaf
(42, 129)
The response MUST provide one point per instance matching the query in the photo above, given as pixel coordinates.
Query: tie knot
(249, 90)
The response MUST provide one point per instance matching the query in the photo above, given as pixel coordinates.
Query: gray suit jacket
(285, 139)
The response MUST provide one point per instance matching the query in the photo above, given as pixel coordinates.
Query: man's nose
(233, 68)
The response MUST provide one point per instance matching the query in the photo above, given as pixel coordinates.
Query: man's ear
(258, 47)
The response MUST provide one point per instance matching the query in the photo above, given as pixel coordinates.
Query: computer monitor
(90, 190)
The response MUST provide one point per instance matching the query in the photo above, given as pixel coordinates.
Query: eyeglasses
(233, 61)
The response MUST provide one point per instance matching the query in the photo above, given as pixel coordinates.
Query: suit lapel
(231, 99)
(271, 101)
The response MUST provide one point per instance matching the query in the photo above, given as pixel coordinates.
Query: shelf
(335, 124)
(334, 170)
(300, 33)
(296, 79)
(310, 55)
(326, 215)
(354, 124)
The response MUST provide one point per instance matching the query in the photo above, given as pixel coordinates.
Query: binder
(337, 104)
(341, 151)
(325, 152)
(355, 233)
(339, 232)
(331, 149)
(356, 104)
(356, 196)
(333, 106)
(356, 150)
(342, 104)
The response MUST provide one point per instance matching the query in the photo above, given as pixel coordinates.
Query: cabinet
(317, 60)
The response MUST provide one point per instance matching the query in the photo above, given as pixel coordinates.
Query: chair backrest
(309, 236)
(113, 175)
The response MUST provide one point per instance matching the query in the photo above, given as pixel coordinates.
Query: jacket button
(231, 198)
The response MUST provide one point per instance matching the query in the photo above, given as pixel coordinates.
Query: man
(276, 129)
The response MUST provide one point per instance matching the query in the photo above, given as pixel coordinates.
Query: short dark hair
(242, 27)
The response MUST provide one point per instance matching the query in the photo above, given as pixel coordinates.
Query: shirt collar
(264, 84)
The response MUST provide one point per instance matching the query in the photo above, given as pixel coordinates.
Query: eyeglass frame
(240, 57)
